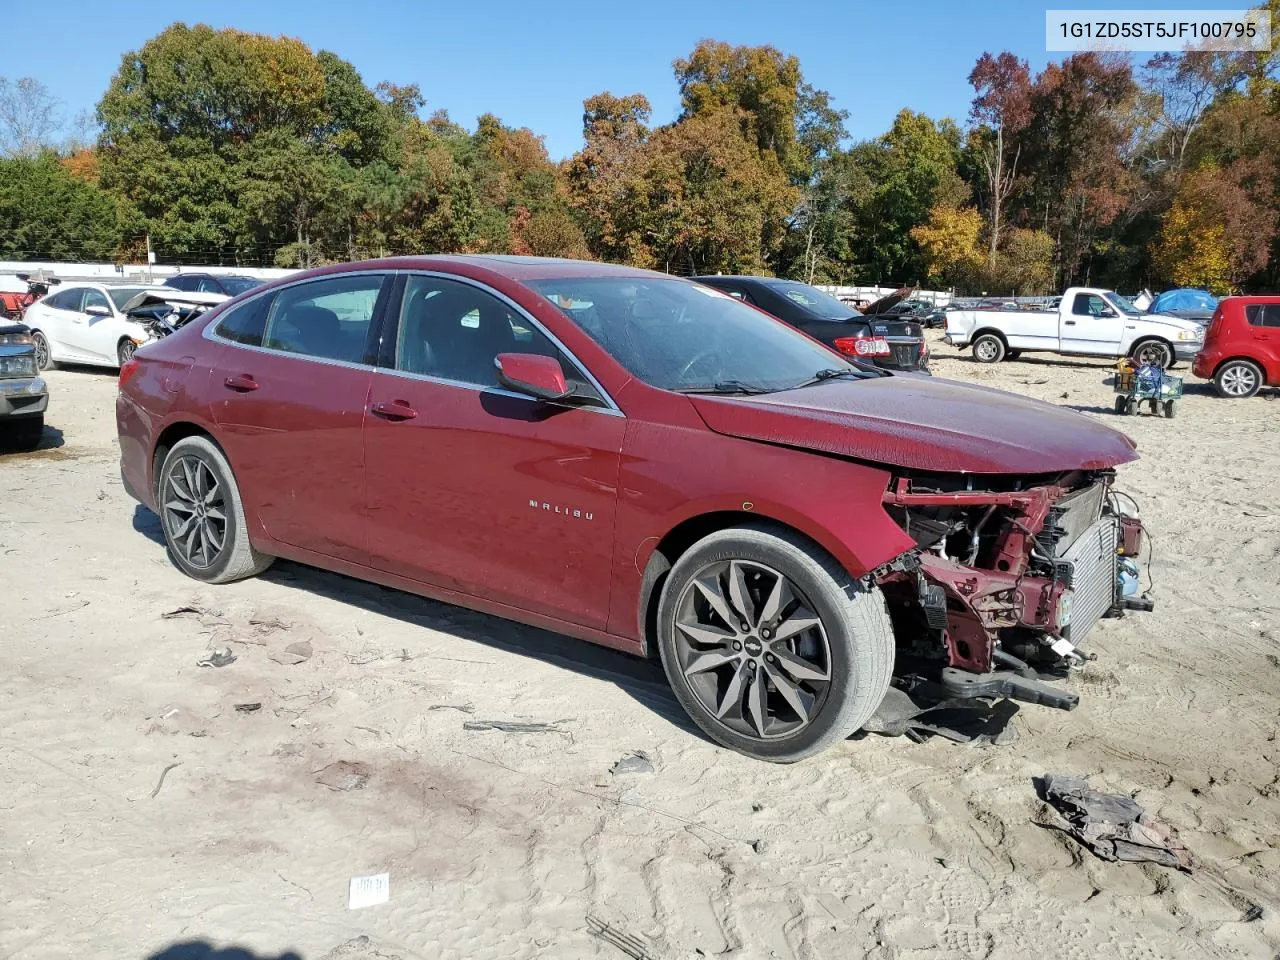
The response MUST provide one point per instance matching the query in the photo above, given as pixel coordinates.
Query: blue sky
(533, 64)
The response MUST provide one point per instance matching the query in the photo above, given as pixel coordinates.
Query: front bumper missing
(987, 619)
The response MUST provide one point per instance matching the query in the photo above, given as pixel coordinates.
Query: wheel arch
(994, 331)
(168, 438)
(1240, 358)
(689, 531)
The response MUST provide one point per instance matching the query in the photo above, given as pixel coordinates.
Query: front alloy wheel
(1154, 352)
(752, 650)
(769, 644)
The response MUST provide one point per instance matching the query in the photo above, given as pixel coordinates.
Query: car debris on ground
(1113, 826)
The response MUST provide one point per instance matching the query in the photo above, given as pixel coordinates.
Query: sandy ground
(524, 844)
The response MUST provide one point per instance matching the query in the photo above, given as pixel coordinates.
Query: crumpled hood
(922, 423)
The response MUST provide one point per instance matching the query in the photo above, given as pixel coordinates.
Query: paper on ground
(369, 891)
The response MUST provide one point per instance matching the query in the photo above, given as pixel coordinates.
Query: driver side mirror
(97, 310)
(533, 375)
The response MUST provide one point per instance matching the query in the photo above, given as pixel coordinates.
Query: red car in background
(1241, 352)
(642, 462)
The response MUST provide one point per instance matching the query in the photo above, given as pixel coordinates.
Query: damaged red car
(646, 463)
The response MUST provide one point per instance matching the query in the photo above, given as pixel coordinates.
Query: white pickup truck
(1088, 323)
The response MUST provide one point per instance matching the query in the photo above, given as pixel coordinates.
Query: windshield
(821, 305)
(1124, 304)
(238, 285)
(122, 295)
(679, 335)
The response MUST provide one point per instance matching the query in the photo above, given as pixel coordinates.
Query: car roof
(517, 268)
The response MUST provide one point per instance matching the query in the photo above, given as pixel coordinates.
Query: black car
(229, 284)
(886, 341)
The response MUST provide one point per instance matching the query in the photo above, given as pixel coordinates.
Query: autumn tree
(1076, 158)
(949, 244)
(1220, 228)
(1001, 109)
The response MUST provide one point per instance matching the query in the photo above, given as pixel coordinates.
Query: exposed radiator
(1093, 576)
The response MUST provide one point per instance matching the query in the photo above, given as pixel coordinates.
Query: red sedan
(642, 462)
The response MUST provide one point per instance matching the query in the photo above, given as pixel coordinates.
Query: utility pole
(151, 259)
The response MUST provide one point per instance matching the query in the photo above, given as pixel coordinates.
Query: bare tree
(28, 117)
(1002, 108)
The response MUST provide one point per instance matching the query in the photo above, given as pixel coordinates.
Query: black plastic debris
(1114, 827)
(919, 718)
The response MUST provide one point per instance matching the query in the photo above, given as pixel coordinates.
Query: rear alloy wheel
(44, 358)
(1155, 352)
(770, 646)
(202, 515)
(1238, 379)
(988, 348)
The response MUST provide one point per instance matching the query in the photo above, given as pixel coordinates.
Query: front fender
(671, 475)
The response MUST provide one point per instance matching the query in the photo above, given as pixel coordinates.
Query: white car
(85, 323)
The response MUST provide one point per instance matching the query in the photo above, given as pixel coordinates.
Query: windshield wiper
(727, 387)
(830, 373)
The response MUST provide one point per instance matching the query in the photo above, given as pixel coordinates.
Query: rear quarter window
(245, 323)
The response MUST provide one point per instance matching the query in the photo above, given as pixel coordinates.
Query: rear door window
(329, 319)
(245, 323)
(67, 299)
(1271, 315)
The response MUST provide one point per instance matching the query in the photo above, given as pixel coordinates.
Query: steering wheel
(696, 359)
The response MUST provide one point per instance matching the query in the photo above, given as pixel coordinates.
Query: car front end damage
(1007, 578)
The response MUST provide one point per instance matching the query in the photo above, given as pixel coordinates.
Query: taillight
(924, 350)
(863, 346)
(130, 370)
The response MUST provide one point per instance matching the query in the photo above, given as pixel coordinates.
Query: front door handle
(241, 383)
(395, 410)
(1069, 323)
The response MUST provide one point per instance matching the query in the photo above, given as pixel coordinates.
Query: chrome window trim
(209, 332)
(611, 408)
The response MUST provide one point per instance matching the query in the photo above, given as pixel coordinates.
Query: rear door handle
(395, 410)
(241, 383)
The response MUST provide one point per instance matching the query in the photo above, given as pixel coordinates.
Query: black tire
(1130, 407)
(1170, 409)
(988, 348)
(125, 350)
(1013, 355)
(852, 617)
(44, 357)
(1238, 379)
(23, 433)
(1155, 352)
(235, 557)
(1121, 401)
